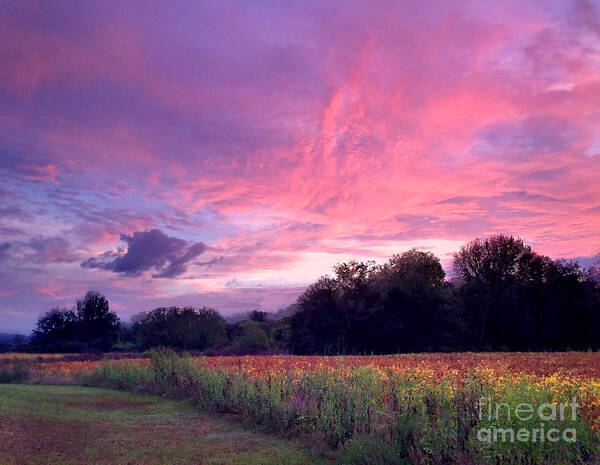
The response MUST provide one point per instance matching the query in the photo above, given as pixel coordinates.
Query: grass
(370, 416)
(367, 414)
(80, 425)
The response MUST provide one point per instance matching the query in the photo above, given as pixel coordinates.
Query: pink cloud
(278, 135)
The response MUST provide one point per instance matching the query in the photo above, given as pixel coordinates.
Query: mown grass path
(71, 425)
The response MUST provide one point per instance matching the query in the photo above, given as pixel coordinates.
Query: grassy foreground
(426, 409)
(81, 425)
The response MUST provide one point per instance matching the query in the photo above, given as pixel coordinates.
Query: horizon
(583, 262)
(229, 154)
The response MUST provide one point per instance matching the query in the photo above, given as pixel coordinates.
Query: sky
(229, 153)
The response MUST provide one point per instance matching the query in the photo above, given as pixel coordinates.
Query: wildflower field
(412, 409)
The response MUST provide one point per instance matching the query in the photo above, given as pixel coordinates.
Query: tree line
(503, 296)
(91, 326)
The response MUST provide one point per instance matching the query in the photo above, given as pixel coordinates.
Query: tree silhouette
(97, 324)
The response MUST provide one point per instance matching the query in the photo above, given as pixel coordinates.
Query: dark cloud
(146, 250)
(51, 250)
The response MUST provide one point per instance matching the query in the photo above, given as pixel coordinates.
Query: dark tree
(413, 313)
(182, 328)
(259, 334)
(489, 272)
(56, 330)
(320, 324)
(569, 309)
(258, 315)
(399, 306)
(514, 299)
(253, 338)
(97, 324)
(357, 296)
(504, 297)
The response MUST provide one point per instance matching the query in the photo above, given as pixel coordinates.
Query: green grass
(66, 425)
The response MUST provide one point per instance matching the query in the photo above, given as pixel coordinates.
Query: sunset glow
(229, 153)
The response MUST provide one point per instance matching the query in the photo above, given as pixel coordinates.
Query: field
(80, 425)
(404, 409)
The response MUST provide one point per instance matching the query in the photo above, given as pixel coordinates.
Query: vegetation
(412, 409)
(78, 425)
(91, 326)
(504, 296)
(181, 328)
(11, 342)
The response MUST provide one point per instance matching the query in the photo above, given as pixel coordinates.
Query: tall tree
(55, 329)
(413, 312)
(319, 324)
(183, 328)
(514, 298)
(97, 324)
(489, 270)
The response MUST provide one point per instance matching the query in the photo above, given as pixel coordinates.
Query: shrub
(15, 372)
